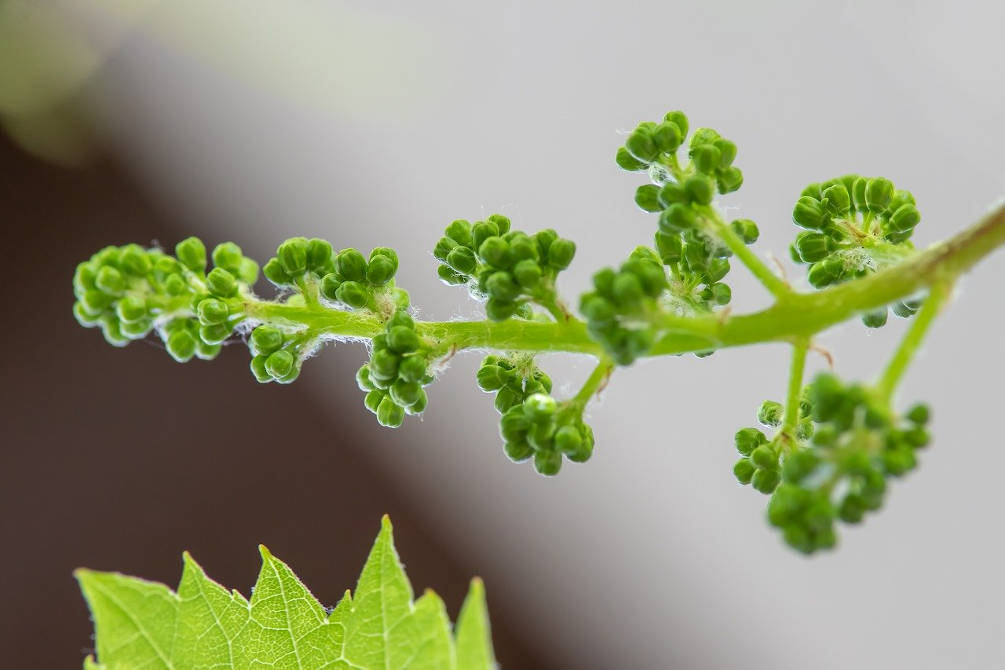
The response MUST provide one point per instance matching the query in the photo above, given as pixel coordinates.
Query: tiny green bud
(191, 253)
(746, 229)
(647, 198)
(329, 286)
(500, 285)
(380, 270)
(518, 451)
(764, 456)
(352, 294)
(671, 193)
(406, 393)
(131, 308)
(402, 339)
(350, 265)
(498, 309)
(561, 253)
(507, 398)
(462, 259)
(527, 273)
(389, 413)
(809, 213)
(443, 247)
(448, 276)
(248, 271)
(812, 246)
(878, 194)
(363, 380)
(679, 119)
(748, 439)
(460, 232)
(134, 260)
(641, 144)
(905, 218)
(110, 281)
(266, 339)
(765, 481)
(274, 272)
(372, 399)
(501, 222)
(626, 161)
(412, 368)
(214, 333)
(547, 463)
(670, 247)
(257, 366)
(727, 151)
(493, 377)
(212, 311)
(677, 218)
(706, 157)
(918, 414)
(721, 293)
(699, 189)
(876, 318)
(837, 199)
(539, 407)
(495, 251)
(221, 283)
(568, 440)
(770, 413)
(292, 254)
(744, 470)
(319, 255)
(384, 363)
(667, 137)
(279, 364)
(228, 256)
(181, 346)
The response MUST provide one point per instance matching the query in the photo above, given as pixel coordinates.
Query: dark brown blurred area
(120, 460)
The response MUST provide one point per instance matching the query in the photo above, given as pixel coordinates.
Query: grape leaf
(141, 624)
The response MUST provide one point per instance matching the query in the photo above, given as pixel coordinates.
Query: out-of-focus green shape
(202, 625)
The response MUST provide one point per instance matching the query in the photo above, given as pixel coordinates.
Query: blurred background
(369, 125)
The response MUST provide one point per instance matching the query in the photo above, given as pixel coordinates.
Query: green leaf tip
(202, 624)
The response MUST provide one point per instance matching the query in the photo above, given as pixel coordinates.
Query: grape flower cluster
(398, 370)
(130, 291)
(683, 274)
(533, 423)
(834, 465)
(855, 226)
(507, 268)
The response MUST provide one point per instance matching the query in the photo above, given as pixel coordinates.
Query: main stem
(793, 316)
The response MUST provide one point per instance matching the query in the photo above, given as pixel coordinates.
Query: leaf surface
(203, 626)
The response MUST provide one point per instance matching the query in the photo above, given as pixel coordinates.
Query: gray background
(378, 124)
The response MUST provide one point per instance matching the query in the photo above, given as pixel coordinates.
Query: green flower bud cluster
(854, 226)
(837, 465)
(346, 277)
(620, 310)
(762, 458)
(533, 423)
(276, 354)
(682, 196)
(398, 370)
(129, 291)
(653, 146)
(506, 268)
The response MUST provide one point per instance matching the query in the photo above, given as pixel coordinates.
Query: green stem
(598, 377)
(799, 349)
(902, 357)
(769, 279)
(798, 315)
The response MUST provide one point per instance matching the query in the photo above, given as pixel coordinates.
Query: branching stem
(902, 357)
(762, 272)
(799, 349)
(594, 382)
